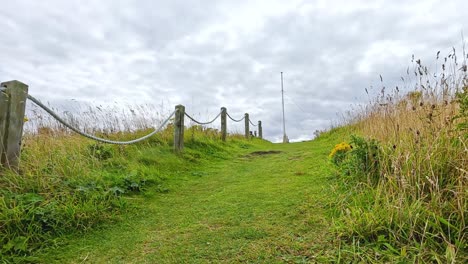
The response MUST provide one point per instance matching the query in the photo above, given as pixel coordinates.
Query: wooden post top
(4, 84)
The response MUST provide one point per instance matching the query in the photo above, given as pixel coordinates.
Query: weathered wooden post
(223, 123)
(179, 128)
(247, 131)
(13, 97)
(260, 132)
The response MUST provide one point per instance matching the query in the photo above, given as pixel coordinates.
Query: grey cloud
(194, 53)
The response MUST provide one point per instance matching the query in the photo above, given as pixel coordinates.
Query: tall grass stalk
(417, 211)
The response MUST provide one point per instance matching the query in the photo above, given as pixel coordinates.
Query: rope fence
(203, 123)
(103, 140)
(13, 97)
(235, 120)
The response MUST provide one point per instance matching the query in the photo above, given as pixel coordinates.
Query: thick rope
(252, 123)
(63, 122)
(235, 119)
(202, 123)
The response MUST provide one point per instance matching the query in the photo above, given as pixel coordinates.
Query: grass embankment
(405, 178)
(237, 201)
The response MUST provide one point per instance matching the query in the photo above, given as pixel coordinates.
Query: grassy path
(257, 207)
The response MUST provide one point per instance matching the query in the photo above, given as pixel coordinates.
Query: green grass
(240, 201)
(228, 206)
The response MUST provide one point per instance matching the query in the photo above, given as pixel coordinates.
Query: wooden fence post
(223, 123)
(179, 128)
(13, 98)
(247, 131)
(260, 131)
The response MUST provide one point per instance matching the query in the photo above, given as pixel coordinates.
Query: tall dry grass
(418, 210)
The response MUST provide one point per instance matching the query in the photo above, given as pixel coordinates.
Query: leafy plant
(338, 153)
(100, 151)
(365, 157)
(359, 159)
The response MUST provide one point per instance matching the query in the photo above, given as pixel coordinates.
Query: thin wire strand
(63, 122)
(202, 123)
(235, 119)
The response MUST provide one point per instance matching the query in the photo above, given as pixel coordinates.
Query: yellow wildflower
(342, 147)
(26, 119)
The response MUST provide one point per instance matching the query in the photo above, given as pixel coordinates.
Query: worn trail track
(266, 206)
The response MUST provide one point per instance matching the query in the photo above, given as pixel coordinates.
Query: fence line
(13, 96)
(103, 140)
(203, 123)
(235, 120)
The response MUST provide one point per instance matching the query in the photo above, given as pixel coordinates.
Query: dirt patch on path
(262, 153)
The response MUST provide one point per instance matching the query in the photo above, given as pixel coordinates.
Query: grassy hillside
(69, 184)
(391, 186)
(405, 174)
(243, 200)
(266, 204)
(337, 199)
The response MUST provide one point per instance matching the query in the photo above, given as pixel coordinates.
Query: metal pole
(285, 138)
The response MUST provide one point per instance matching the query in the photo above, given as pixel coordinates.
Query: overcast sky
(208, 54)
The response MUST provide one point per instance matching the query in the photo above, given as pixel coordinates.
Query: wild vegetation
(406, 172)
(68, 184)
(398, 194)
(237, 201)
